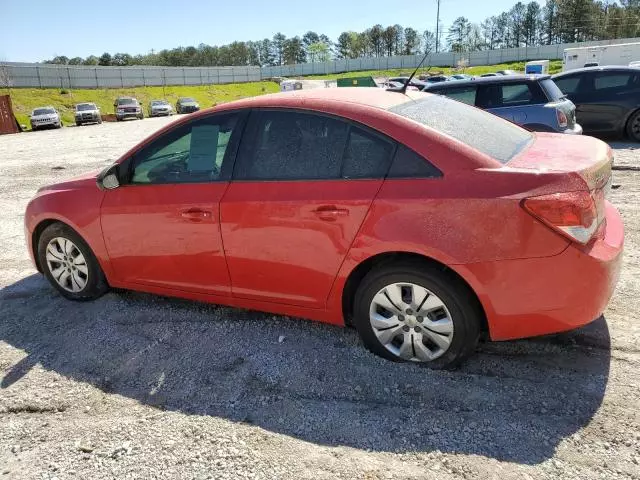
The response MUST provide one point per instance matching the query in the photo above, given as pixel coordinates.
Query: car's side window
(613, 80)
(514, 94)
(409, 164)
(367, 155)
(568, 85)
(489, 96)
(191, 153)
(462, 94)
(286, 145)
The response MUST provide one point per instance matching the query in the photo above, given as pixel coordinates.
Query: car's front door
(161, 227)
(302, 186)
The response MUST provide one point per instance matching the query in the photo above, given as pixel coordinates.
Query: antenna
(403, 89)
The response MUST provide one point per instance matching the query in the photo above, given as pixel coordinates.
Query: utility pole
(438, 26)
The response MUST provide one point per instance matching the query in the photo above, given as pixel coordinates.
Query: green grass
(26, 99)
(554, 67)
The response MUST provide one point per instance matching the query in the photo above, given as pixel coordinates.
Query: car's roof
(46, 106)
(367, 96)
(84, 103)
(603, 68)
(519, 78)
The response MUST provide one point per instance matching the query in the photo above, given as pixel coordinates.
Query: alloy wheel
(67, 264)
(411, 322)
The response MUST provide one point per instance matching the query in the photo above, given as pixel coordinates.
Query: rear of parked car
(535, 103)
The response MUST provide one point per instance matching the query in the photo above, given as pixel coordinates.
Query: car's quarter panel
(167, 235)
(280, 246)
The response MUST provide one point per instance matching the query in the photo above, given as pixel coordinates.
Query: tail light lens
(575, 215)
(562, 119)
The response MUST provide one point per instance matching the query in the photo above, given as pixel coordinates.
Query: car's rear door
(302, 185)
(613, 96)
(161, 227)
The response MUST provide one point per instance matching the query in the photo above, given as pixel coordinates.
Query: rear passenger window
(366, 155)
(464, 94)
(409, 164)
(605, 81)
(291, 146)
(516, 94)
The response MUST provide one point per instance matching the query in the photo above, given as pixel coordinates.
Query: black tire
(96, 283)
(78, 124)
(633, 126)
(100, 121)
(466, 313)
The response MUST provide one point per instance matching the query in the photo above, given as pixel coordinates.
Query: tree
(278, 47)
(398, 46)
(59, 60)
(516, 24)
(343, 46)
(489, 32)
(318, 52)
(293, 51)
(459, 34)
(265, 51)
(531, 23)
(310, 38)
(375, 39)
(411, 41)
(122, 59)
(75, 61)
(389, 40)
(428, 42)
(105, 59)
(90, 60)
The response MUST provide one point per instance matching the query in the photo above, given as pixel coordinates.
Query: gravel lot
(136, 386)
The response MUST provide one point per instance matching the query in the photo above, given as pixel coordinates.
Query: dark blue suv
(532, 101)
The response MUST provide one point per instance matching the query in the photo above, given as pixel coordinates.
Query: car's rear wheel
(69, 264)
(633, 126)
(421, 314)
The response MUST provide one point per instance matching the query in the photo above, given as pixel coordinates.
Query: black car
(414, 82)
(532, 101)
(607, 99)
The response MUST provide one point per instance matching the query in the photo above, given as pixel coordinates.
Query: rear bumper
(575, 130)
(538, 296)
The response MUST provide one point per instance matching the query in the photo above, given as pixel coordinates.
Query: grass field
(554, 67)
(26, 99)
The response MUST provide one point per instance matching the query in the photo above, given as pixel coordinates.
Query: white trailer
(621, 54)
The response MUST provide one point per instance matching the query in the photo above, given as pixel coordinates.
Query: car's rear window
(481, 130)
(551, 89)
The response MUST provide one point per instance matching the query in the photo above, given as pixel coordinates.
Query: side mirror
(108, 179)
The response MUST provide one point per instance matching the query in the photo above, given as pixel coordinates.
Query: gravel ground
(137, 386)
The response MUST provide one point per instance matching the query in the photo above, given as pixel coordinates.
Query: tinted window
(604, 81)
(192, 153)
(551, 89)
(408, 164)
(516, 94)
(481, 130)
(366, 155)
(461, 94)
(291, 145)
(567, 85)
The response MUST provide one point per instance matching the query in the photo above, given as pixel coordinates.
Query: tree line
(525, 24)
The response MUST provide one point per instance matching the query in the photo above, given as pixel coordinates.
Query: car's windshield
(187, 99)
(85, 106)
(126, 101)
(43, 111)
(481, 130)
(159, 102)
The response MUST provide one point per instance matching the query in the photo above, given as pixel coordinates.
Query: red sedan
(421, 221)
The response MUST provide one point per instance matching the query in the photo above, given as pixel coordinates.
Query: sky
(38, 30)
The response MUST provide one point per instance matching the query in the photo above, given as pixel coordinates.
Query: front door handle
(196, 215)
(330, 212)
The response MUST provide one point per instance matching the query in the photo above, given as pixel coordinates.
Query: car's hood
(48, 116)
(81, 181)
(80, 112)
(129, 105)
(160, 107)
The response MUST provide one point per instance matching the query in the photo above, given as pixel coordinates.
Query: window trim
(250, 137)
(127, 167)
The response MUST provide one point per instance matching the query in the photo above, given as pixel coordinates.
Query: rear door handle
(196, 215)
(330, 212)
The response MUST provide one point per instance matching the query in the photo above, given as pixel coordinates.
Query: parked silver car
(45, 117)
(87, 113)
(187, 105)
(160, 107)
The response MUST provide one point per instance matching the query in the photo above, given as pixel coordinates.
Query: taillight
(562, 119)
(573, 214)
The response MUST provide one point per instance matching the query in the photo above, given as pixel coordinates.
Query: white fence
(62, 76)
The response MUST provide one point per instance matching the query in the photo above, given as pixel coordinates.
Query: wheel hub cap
(411, 322)
(67, 264)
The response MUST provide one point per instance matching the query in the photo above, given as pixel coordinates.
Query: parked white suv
(45, 117)
(87, 113)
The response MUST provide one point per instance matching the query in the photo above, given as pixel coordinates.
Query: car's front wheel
(633, 127)
(421, 314)
(69, 264)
